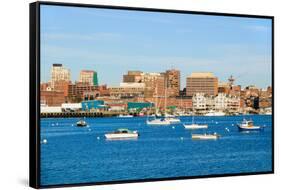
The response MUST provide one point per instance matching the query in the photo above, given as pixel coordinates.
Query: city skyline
(150, 42)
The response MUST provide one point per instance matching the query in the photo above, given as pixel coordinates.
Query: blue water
(81, 155)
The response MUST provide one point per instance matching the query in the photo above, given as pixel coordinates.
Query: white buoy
(98, 138)
(53, 124)
(45, 141)
(181, 138)
(57, 124)
(72, 125)
(89, 129)
(227, 129)
(173, 127)
(232, 125)
(217, 122)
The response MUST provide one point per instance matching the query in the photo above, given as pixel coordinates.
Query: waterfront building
(222, 102)
(89, 76)
(90, 95)
(117, 107)
(78, 90)
(61, 86)
(59, 73)
(127, 90)
(50, 109)
(172, 79)
(228, 103)
(103, 90)
(199, 102)
(138, 106)
(70, 107)
(205, 83)
(52, 98)
(92, 104)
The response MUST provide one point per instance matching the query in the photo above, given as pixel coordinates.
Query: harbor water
(70, 154)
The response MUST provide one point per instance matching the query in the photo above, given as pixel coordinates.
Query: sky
(112, 42)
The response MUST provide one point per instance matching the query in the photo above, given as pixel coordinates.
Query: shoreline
(110, 114)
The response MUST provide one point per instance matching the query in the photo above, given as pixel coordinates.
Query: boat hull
(196, 126)
(158, 122)
(204, 137)
(121, 136)
(245, 128)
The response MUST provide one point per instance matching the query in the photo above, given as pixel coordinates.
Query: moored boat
(158, 122)
(81, 123)
(195, 126)
(205, 136)
(122, 134)
(248, 125)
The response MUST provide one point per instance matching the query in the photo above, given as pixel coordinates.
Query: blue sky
(112, 42)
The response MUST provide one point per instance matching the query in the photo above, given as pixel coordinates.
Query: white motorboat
(81, 123)
(195, 126)
(213, 113)
(248, 125)
(205, 136)
(122, 134)
(158, 122)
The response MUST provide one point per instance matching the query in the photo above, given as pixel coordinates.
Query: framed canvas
(126, 94)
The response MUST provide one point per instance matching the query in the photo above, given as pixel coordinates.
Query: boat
(125, 116)
(159, 121)
(172, 118)
(205, 136)
(162, 121)
(195, 126)
(248, 125)
(122, 134)
(81, 123)
(213, 113)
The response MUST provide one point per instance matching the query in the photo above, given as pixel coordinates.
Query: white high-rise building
(59, 73)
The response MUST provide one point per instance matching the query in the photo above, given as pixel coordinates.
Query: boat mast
(165, 103)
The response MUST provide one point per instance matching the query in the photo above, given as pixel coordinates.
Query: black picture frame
(34, 90)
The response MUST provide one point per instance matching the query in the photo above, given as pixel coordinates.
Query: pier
(80, 114)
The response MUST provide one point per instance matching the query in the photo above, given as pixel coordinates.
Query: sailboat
(194, 125)
(158, 121)
(171, 118)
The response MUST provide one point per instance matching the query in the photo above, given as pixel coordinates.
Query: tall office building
(59, 73)
(205, 83)
(172, 78)
(88, 76)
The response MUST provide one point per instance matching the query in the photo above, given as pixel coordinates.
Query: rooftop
(202, 75)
